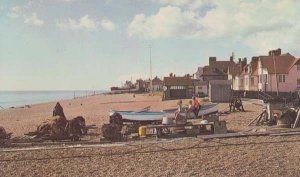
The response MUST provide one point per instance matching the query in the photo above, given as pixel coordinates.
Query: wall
(202, 89)
(157, 87)
(235, 83)
(290, 84)
(219, 93)
(221, 77)
(253, 87)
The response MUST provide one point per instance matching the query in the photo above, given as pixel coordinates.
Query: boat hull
(131, 116)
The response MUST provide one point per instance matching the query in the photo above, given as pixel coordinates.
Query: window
(298, 83)
(281, 78)
(263, 78)
(199, 87)
(298, 67)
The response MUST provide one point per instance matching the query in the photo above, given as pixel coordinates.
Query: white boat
(158, 116)
(141, 116)
(205, 109)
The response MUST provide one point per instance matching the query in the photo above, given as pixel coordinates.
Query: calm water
(21, 98)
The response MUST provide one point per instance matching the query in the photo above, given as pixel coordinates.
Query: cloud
(168, 22)
(85, 23)
(108, 25)
(245, 22)
(34, 20)
(15, 12)
(190, 4)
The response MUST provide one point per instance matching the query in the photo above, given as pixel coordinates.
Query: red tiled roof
(210, 71)
(178, 81)
(282, 63)
(222, 65)
(235, 69)
(157, 81)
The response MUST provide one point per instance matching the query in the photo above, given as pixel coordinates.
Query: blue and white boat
(141, 116)
(158, 116)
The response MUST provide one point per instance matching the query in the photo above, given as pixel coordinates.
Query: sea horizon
(18, 98)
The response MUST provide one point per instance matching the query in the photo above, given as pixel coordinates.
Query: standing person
(196, 106)
(179, 104)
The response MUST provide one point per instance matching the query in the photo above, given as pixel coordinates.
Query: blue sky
(95, 44)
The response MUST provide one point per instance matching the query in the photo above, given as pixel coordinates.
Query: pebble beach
(253, 156)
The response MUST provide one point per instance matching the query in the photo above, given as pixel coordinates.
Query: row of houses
(274, 72)
(269, 73)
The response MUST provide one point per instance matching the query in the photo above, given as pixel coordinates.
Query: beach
(253, 156)
(95, 109)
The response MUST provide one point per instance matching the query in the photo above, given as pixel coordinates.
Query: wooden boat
(158, 116)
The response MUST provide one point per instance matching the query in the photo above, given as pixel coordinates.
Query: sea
(21, 98)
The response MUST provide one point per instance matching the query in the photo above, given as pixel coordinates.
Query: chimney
(254, 59)
(244, 62)
(276, 52)
(232, 57)
(212, 59)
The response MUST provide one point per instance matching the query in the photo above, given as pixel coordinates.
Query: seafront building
(275, 72)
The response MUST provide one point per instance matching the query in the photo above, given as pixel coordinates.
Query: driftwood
(258, 118)
(58, 128)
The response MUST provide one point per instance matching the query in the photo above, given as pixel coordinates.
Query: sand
(94, 109)
(254, 156)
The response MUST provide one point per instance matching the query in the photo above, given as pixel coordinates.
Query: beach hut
(220, 90)
(178, 88)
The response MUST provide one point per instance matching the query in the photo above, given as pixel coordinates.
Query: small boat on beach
(205, 109)
(131, 116)
(141, 116)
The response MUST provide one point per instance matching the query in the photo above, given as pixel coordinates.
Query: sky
(96, 44)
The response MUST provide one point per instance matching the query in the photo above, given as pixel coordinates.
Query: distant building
(201, 87)
(140, 85)
(178, 88)
(269, 73)
(278, 72)
(157, 84)
(199, 73)
(221, 70)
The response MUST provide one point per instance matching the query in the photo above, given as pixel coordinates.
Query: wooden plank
(231, 135)
(285, 134)
(297, 119)
(176, 125)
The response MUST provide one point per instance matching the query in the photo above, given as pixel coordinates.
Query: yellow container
(142, 131)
